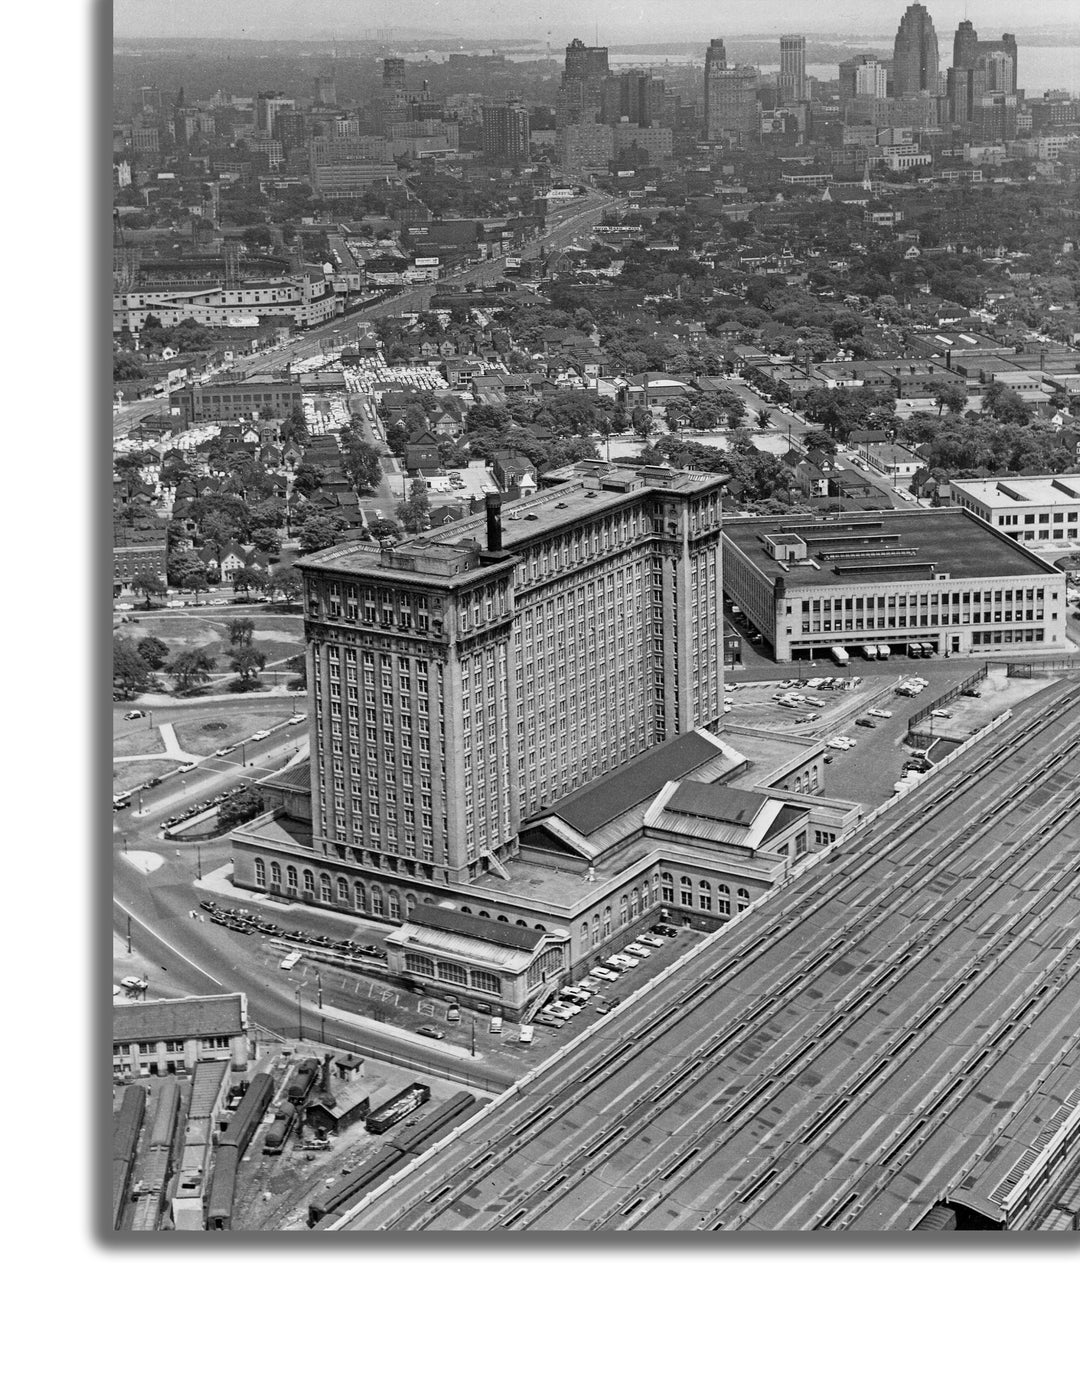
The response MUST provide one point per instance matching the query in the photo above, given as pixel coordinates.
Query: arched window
(358, 896)
(521, 922)
(667, 888)
(452, 973)
(607, 922)
(705, 895)
(291, 877)
(275, 874)
(419, 964)
(686, 892)
(482, 913)
(467, 910)
(742, 899)
(394, 904)
(502, 918)
(376, 900)
(723, 900)
(410, 903)
(326, 888)
(343, 890)
(634, 902)
(260, 872)
(309, 884)
(622, 910)
(540, 927)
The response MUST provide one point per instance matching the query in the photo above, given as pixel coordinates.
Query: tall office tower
(791, 83)
(715, 62)
(324, 90)
(506, 130)
(915, 54)
(393, 73)
(731, 106)
(998, 54)
(462, 682)
(581, 92)
(637, 96)
(583, 63)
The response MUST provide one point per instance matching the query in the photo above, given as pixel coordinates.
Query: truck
(839, 654)
(869, 651)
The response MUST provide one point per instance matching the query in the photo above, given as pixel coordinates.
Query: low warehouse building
(941, 578)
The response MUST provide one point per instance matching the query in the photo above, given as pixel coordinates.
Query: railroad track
(591, 1154)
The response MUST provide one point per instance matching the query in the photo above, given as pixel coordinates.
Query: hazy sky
(561, 20)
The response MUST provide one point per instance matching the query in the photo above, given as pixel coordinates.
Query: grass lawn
(135, 737)
(197, 728)
(127, 776)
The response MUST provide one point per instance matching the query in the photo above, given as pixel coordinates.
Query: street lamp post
(198, 861)
(129, 933)
(299, 1014)
(322, 1018)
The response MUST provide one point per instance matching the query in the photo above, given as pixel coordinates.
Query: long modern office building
(1034, 510)
(943, 579)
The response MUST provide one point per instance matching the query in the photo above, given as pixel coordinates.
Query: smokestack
(325, 1084)
(493, 505)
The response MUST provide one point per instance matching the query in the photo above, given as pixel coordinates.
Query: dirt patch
(127, 776)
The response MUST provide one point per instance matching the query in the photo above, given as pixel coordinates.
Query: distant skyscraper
(393, 73)
(791, 84)
(324, 90)
(731, 107)
(995, 57)
(915, 54)
(506, 130)
(581, 94)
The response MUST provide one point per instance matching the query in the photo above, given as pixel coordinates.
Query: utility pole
(129, 933)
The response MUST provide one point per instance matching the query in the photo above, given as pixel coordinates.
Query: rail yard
(894, 1031)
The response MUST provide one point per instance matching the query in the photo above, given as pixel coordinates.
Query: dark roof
(294, 776)
(178, 1018)
(593, 806)
(736, 806)
(787, 816)
(479, 928)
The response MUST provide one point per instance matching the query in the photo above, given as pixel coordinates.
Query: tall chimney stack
(493, 506)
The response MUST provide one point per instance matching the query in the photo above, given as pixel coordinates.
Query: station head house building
(466, 690)
(943, 579)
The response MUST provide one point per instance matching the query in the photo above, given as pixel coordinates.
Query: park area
(277, 635)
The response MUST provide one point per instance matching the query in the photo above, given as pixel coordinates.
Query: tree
(217, 531)
(319, 532)
(287, 582)
(181, 564)
(384, 529)
(149, 585)
(249, 580)
(361, 462)
(642, 421)
(131, 672)
(298, 665)
(247, 662)
(763, 418)
(153, 651)
(266, 540)
(241, 807)
(196, 581)
(241, 631)
(190, 669)
(306, 479)
(415, 512)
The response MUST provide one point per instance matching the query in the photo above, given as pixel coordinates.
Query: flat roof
(1011, 493)
(222, 1014)
(522, 521)
(885, 546)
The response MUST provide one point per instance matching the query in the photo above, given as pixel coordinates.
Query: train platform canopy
(223, 1014)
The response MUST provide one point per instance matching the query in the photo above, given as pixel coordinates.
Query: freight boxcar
(249, 1113)
(219, 1209)
(303, 1081)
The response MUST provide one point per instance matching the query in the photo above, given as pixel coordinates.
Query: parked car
(433, 1032)
(880, 712)
(623, 961)
(971, 692)
(545, 1020)
(866, 722)
(225, 749)
(653, 941)
(639, 952)
(453, 1013)
(561, 1011)
(135, 715)
(939, 712)
(663, 929)
(599, 972)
